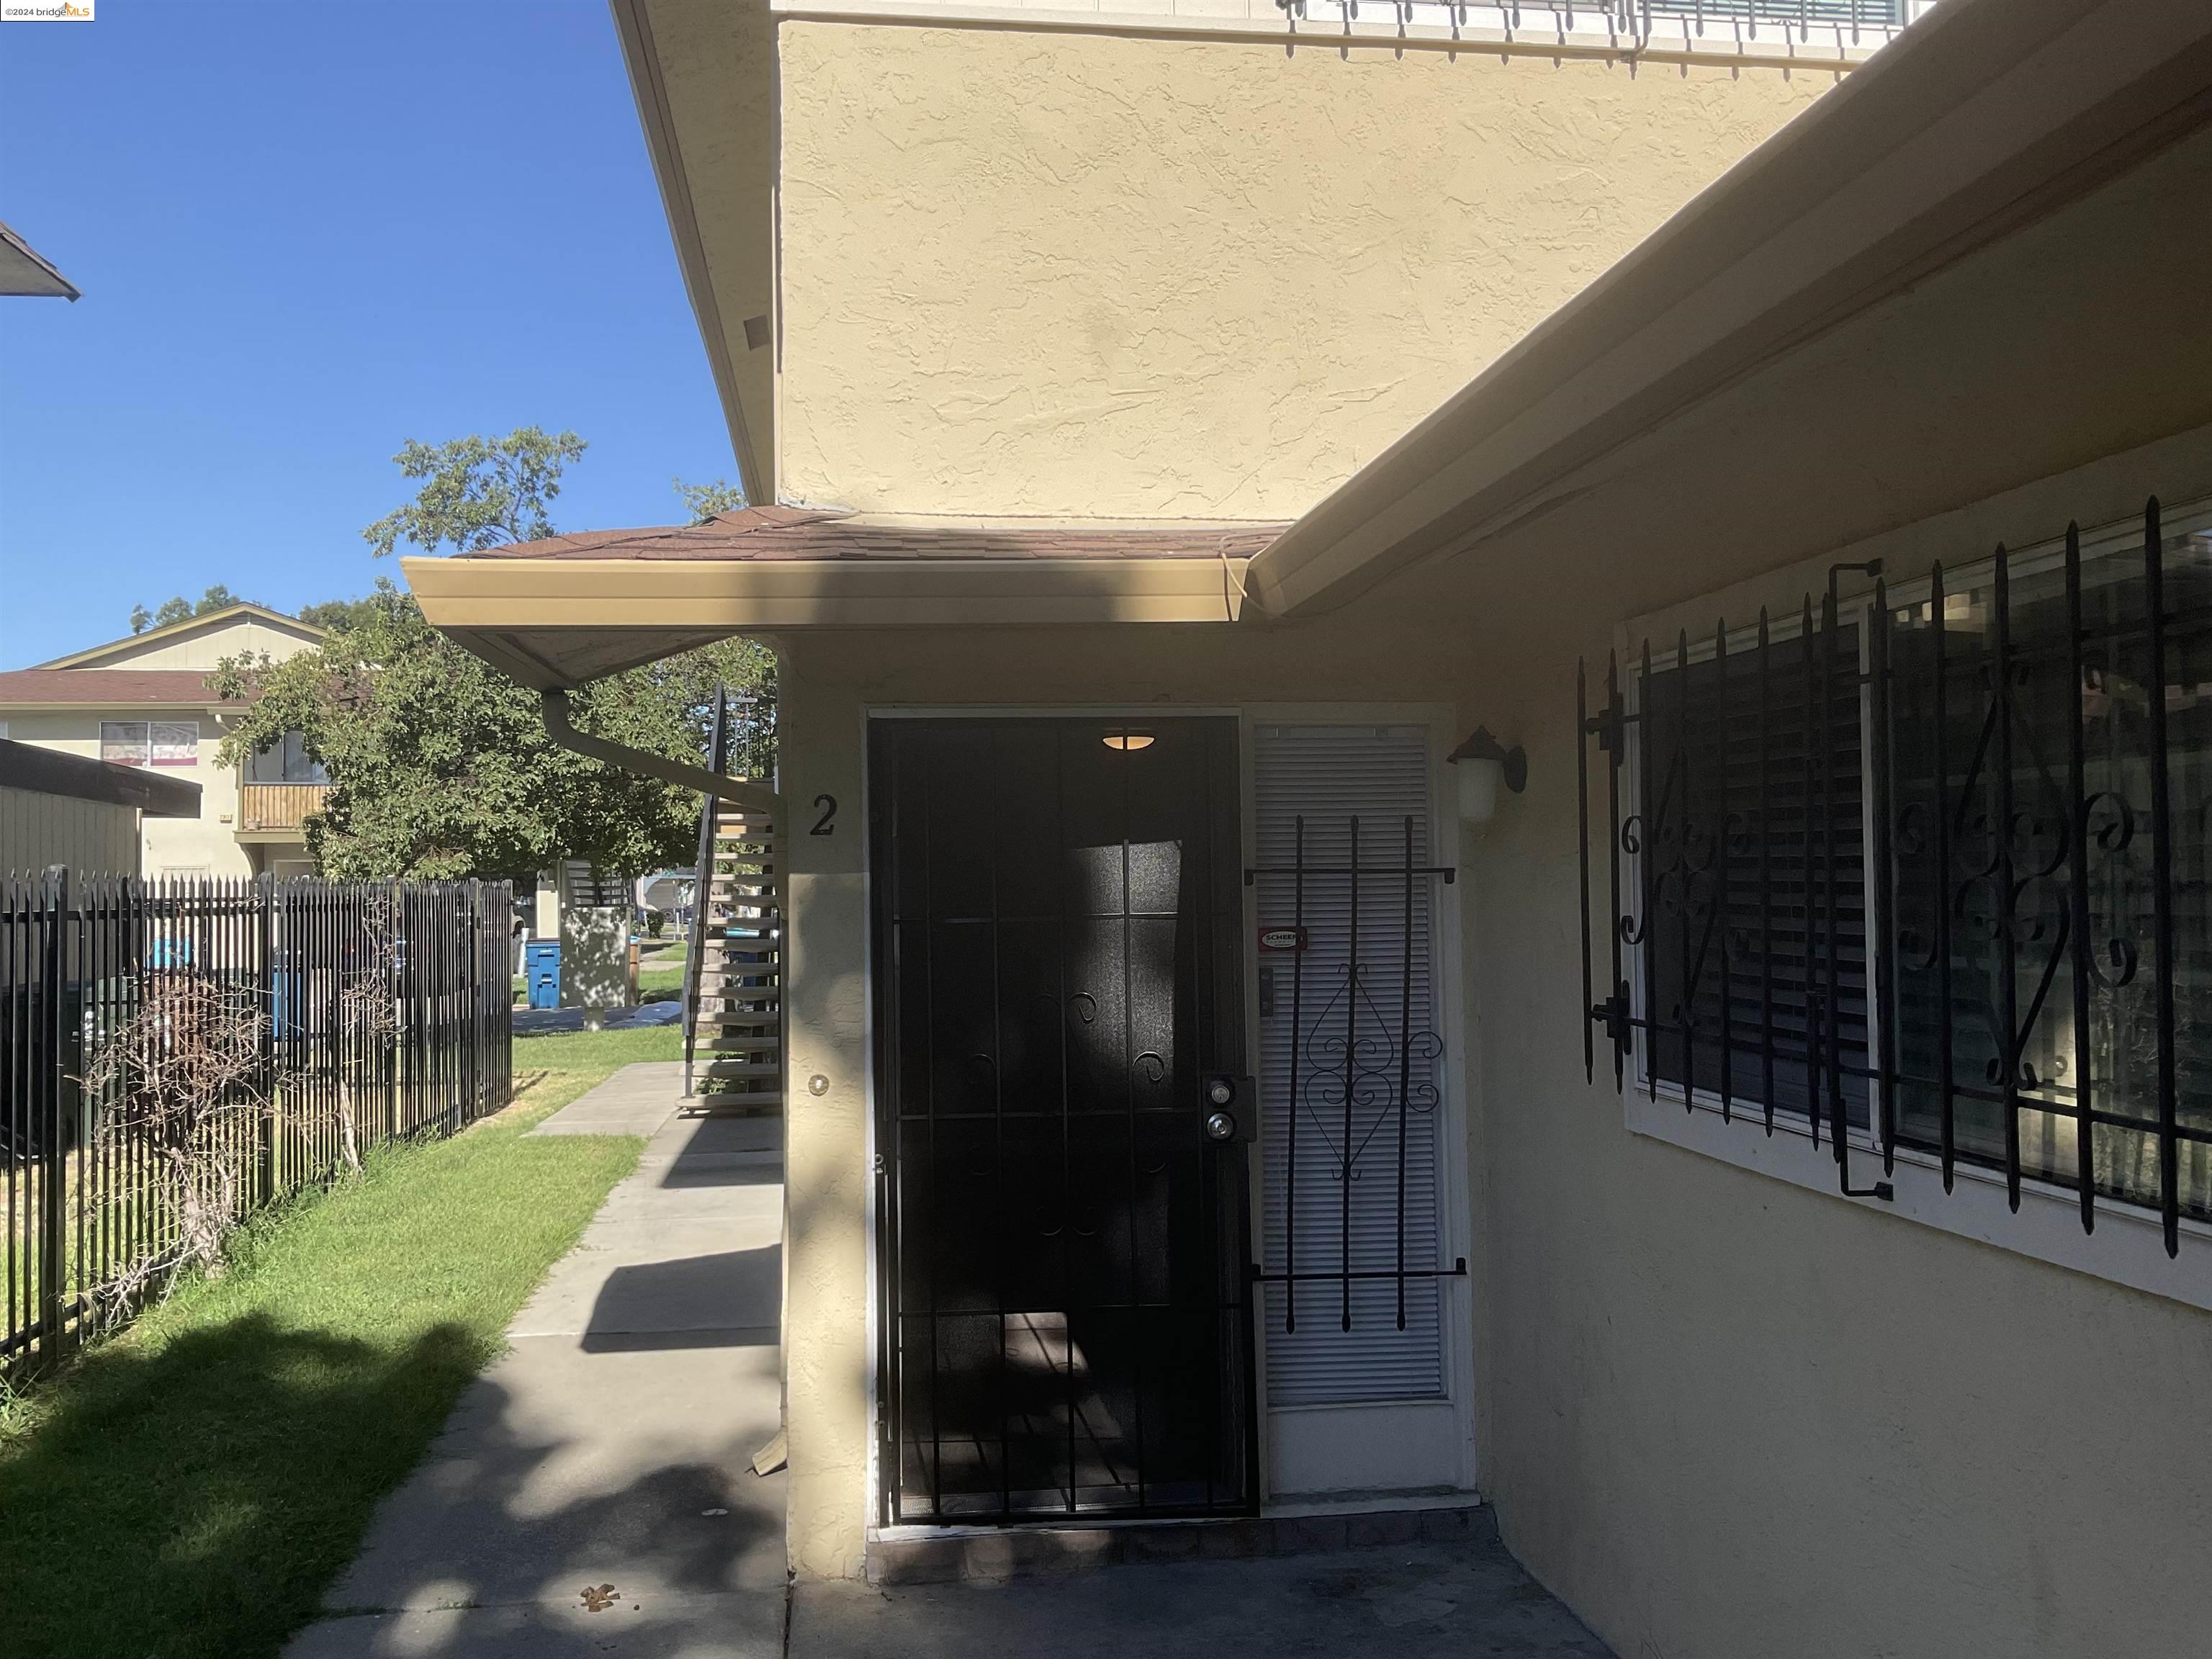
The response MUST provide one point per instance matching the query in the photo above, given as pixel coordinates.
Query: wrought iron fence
(1931, 875)
(176, 1053)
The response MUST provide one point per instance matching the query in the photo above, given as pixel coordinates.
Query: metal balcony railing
(1634, 18)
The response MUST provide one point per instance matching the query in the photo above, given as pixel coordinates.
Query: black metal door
(1063, 1245)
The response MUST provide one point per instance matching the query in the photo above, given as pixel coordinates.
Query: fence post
(264, 934)
(53, 1186)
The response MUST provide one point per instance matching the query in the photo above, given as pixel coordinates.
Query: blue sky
(306, 231)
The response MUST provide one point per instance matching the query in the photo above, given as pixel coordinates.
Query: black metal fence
(174, 1054)
(1930, 872)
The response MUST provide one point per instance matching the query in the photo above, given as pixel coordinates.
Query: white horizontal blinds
(1329, 775)
(123, 743)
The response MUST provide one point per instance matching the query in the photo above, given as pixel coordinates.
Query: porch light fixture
(1484, 763)
(1128, 742)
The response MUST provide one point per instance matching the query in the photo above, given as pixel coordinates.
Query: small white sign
(46, 11)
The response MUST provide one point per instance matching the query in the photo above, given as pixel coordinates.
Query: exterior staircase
(733, 1013)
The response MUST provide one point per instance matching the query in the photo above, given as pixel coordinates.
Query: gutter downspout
(748, 795)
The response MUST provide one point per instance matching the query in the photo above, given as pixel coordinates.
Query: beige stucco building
(145, 701)
(1214, 1086)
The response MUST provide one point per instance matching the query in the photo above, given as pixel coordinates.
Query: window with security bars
(1749, 943)
(1928, 873)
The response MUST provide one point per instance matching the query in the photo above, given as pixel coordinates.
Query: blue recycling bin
(541, 972)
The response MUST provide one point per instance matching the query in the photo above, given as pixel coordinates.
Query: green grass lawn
(190, 1486)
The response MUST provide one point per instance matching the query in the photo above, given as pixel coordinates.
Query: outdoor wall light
(1128, 741)
(1484, 763)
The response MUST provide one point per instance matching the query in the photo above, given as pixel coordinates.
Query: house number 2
(827, 823)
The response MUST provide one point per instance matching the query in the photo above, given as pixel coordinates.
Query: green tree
(439, 765)
(335, 615)
(180, 609)
(707, 501)
(479, 492)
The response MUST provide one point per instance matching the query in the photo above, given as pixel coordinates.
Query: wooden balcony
(275, 811)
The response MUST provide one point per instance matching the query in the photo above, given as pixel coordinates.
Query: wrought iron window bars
(1349, 1066)
(1934, 871)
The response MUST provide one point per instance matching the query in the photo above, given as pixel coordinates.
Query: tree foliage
(180, 609)
(335, 615)
(707, 501)
(478, 492)
(439, 765)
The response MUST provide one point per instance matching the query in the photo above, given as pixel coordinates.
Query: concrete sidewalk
(610, 1446)
(1422, 1599)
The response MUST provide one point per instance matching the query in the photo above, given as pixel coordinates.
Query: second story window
(288, 761)
(150, 742)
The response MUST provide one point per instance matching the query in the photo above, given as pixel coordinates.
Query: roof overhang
(555, 622)
(53, 772)
(1983, 122)
(169, 633)
(708, 73)
(24, 271)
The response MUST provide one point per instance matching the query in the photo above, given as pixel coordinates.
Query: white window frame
(2128, 1246)
(147, 755)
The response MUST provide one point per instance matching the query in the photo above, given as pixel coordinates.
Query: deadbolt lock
(1231, 1108)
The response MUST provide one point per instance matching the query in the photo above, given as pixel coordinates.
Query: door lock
(1230, 1110)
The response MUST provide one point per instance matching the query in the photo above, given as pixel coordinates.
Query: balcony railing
(1636, 18)
(266, 808)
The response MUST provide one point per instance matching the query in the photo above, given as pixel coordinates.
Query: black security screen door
(1057, 934)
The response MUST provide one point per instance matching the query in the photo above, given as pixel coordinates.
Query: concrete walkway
(1428, 1598)
(610, 1446)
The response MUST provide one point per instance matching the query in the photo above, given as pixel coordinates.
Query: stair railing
(702, 886)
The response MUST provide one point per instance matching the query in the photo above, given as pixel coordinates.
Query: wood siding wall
(92, 837)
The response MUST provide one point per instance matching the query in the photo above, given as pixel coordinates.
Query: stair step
(742, 1068)
(729, 1045)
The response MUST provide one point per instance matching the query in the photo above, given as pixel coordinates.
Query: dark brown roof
(155, 688)
(815, 532)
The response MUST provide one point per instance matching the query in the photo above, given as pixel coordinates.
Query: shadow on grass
(193, 1498)
(203, 1499)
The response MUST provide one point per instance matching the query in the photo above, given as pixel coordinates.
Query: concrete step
(918, 1555)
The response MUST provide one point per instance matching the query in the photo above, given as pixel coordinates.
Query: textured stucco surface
(1721, 1417)
(1730, 1418)
(1066, 274)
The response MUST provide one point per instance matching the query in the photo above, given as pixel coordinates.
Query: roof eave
(1981, 119)
(94, 653)
(517, 613)
(49, 284)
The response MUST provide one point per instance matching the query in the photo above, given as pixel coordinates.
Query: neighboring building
(60, 809)
(145, 701)
(1142, 560)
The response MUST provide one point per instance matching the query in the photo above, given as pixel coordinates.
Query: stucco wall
(1723, 1417)
(827, 685)
(1730, 1418)
(206, 845)
(1071, 274)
